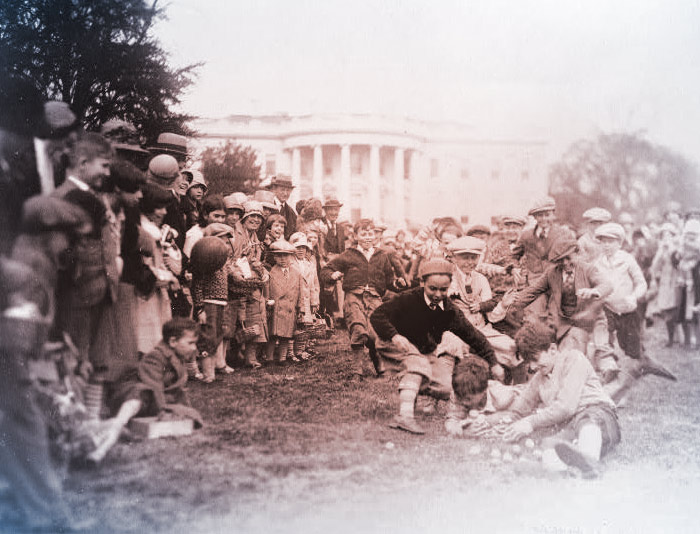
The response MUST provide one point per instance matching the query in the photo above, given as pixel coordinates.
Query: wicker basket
(317, 330)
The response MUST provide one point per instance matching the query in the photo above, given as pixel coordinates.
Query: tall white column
(345, 179)
(317, 183)
(399, 214)
(296, 166)
(373, 207)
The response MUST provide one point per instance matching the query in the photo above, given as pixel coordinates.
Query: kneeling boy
(416, 331)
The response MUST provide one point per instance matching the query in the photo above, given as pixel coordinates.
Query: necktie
(286, 272)
(433, 307)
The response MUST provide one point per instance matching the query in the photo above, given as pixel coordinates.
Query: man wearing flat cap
(419, 336)
(282, 186)
(534, 246)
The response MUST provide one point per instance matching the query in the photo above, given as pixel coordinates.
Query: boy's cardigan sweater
(376, 273)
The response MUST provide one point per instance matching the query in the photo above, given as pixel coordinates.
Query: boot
(376, 360)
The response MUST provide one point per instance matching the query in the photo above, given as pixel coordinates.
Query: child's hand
(518, 430)
(270, 303)
(480, 426)
(337, 275)
(474, 307)
(587, 293)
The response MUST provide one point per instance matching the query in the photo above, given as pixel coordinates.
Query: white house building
(398, 170)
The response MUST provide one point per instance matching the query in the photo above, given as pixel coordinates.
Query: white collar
(79, 183)
(441, 304)
(367, 254)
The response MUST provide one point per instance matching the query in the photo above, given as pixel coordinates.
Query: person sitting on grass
(564, 395)
(417, 337)
(156, 386)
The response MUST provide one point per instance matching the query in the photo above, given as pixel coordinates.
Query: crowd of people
(123, 279)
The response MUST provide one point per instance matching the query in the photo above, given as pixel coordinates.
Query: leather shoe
(408, 424)
(572, 456)
(648, 366)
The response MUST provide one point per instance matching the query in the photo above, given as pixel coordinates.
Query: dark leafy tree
(621, 172)
(230, 167)
(99, 56)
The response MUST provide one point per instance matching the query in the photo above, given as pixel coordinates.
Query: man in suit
(281, 185)
(533, 248)
(335, 238)
(334, 244)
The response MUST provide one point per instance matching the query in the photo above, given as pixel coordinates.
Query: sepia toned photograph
(349, 266)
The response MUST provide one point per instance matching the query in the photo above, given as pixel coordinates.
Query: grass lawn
(306, 448)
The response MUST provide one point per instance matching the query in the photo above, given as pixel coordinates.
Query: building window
(464, 173)
(270, 165)
(495, 174)
(434, 168)
(356, 162)
(524, 176)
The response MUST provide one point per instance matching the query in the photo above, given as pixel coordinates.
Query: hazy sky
(554, 70)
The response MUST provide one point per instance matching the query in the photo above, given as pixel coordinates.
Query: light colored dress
(153, 310)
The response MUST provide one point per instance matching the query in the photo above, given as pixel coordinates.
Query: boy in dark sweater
(366, 273)
(416, 337)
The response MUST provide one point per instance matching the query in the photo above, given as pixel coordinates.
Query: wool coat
(288, 294)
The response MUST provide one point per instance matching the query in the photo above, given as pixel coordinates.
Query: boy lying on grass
(157, 386)
(565, 395)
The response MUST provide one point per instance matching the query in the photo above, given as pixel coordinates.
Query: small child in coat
(312, 293)
(285, 300)
(155, 386)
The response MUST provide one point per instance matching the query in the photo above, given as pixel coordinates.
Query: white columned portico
(317, 181)
(345, 197)
(373, 207)
(398, 187)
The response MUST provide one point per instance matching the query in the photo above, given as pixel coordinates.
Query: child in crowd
(213, 211)
(156, 386)
(689, 281)
(418, 333)
(312, 293)
(665, 281)
(367, 273)
(210, 295)
(588, 244)
(629, 286)
(192, 202)
(285, 300)
(275, 226)
(471, 293)
(565, 394)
